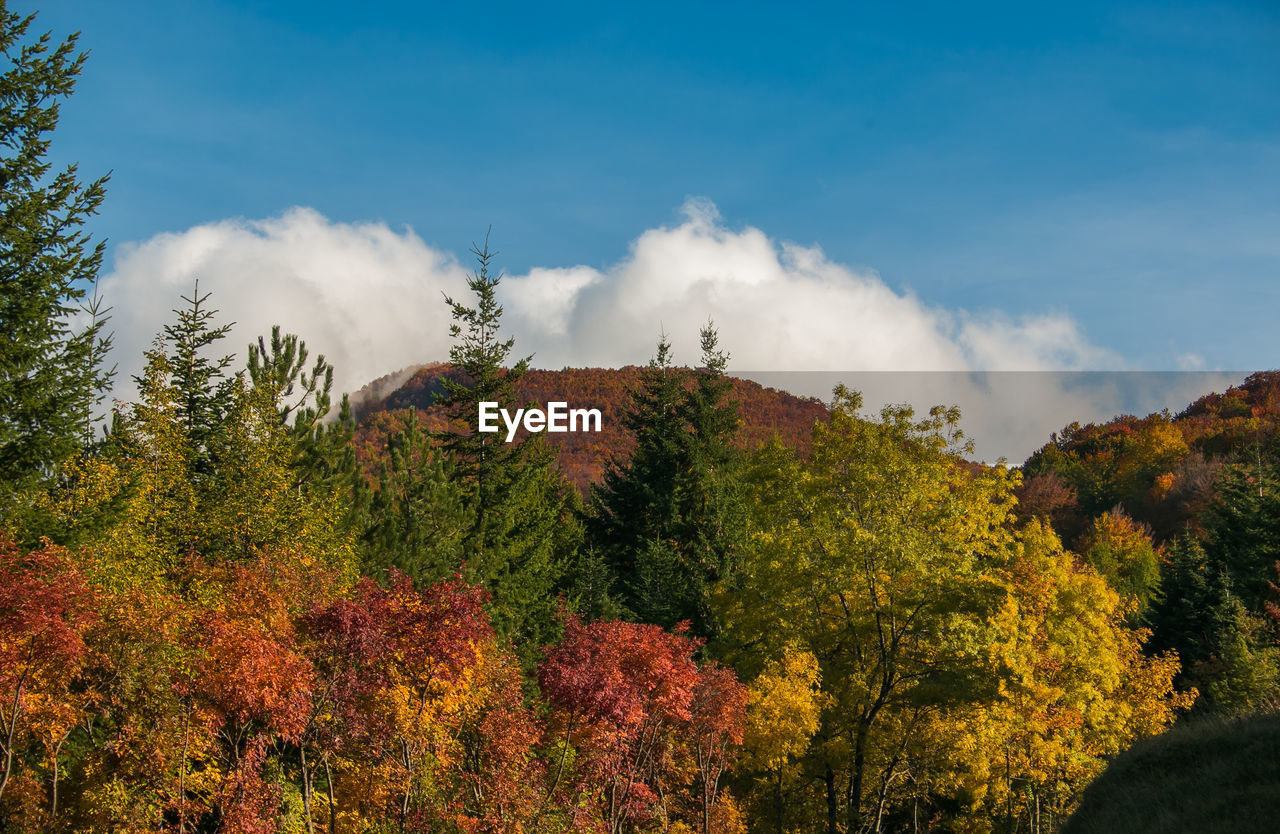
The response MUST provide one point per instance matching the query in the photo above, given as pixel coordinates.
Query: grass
(1206, 776)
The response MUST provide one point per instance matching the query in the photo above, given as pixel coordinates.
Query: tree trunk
(777, 801)
(333, 811)
(53, 789)
(855, 779)
(8, 742)
(306, 789)
(831, 802)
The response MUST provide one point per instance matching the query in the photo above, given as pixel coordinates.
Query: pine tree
(324, 460)
(50, 375)
(302, 399)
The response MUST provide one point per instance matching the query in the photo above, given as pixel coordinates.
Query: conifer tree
(203, 389)
(418, 516)
(323, 460)
(50, 375)
(1243, 527)
(479, 358)
(632, 507)
(663, 520)
(302, 399)
(522, 531)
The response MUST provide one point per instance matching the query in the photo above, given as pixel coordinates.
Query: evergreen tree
(633, 506)
(418, 514)
(203, 389)
(324, 459)
(302, 399)
(522, 531)
(1227, 651)
(665, 520)
(50, 375)
(1243, 527)
(479, 358)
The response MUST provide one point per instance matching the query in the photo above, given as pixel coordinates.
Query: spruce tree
(522, 532)
(665, 520)
(418, 516)
(633, 506)
(204, 391)
(50, 374)
(1243, 527)
(479, 359)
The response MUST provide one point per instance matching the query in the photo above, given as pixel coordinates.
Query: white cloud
(370, 298)
(366, 296)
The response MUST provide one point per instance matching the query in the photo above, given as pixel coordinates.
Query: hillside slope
(764, 412)
(1160, 469)
(1198, 778)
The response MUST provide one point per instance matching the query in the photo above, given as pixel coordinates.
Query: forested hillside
(582, 456)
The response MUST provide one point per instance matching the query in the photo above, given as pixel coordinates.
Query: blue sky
(1117, 164)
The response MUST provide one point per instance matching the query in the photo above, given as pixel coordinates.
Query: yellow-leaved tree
(876, 556)
(784, 708)
(1075, 686)
(971, 675)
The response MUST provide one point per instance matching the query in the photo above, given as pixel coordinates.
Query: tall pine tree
(50, 374)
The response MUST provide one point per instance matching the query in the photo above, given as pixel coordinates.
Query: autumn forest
(245, 603)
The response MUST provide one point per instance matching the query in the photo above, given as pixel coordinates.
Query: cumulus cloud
(370, 298)
(778, 306)
(365, 295)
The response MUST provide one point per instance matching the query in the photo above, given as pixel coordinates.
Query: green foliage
(667, 521)
(202, 389)
(1242, 524)
(323, 459)
(480, 357)
(1215, 590)
(418, 515)
(871, 557)
(1120, 550)
(521, 532)
(302, 399)
(200, 467)
(50, 376)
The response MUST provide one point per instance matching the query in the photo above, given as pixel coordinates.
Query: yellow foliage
(784, 708)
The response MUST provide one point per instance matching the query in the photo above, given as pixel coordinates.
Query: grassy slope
(1205, 776)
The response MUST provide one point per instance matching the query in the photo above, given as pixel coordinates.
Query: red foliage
(719, 719)
(45, 608)
(249, 675)
(249, 804)
(346, 647)
(633, 701)
(433, 633)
